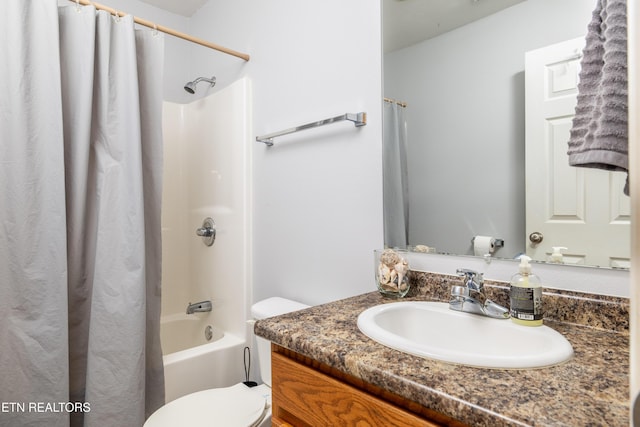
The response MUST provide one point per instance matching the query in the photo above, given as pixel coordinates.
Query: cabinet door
(303, 396)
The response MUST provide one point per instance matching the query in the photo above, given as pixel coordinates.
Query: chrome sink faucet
(199, 307)
(470, 298)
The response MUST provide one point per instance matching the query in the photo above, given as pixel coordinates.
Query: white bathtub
(191, 363)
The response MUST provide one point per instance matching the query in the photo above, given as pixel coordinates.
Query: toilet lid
(231, 406)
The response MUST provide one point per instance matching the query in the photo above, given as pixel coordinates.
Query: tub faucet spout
(199, 307)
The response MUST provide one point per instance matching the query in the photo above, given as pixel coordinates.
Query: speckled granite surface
(589, 390)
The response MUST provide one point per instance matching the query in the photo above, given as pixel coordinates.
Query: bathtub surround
(81, 156)
(207, 173)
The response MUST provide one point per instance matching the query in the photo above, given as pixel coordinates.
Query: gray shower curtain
(80, 193)
(395, 176)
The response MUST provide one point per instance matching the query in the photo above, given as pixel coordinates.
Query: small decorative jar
(391, 269)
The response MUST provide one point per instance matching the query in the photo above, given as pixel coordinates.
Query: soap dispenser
(525, 295)
(556, 255)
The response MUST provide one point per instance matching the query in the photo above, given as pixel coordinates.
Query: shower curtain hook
(77, 5)
(155, 29)
(117, 18)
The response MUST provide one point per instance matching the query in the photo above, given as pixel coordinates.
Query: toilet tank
(268, 308)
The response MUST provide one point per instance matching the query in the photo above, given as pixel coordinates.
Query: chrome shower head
(191, 86)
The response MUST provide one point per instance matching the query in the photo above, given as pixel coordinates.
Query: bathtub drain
(208, 332)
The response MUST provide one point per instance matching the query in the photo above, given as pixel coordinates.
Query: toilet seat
(237, 405)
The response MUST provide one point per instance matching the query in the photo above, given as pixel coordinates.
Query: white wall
(317, 200)
(465, 91)
(318, 194)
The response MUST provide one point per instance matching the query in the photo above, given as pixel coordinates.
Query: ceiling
(180, 7)
(405, 22)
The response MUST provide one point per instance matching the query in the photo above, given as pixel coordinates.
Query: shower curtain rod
(166, 30)
(393, 101)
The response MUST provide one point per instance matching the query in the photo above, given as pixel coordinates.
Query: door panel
(582, 209)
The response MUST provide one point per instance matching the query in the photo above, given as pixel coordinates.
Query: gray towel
(599, 136)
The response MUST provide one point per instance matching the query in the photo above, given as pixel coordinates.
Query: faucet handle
(472, 279)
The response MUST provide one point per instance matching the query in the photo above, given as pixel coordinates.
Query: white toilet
(233, 406)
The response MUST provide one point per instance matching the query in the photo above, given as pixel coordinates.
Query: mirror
(459, 65)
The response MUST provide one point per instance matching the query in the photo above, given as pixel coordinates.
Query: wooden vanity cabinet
(308, 393)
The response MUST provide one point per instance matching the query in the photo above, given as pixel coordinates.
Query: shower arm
(191, 86)
(212, 80)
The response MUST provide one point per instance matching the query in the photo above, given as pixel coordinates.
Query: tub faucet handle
(207, 231)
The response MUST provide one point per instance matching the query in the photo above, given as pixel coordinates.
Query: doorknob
(536, 237)
(207, 231)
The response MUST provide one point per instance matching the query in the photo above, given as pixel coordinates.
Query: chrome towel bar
(359, 119)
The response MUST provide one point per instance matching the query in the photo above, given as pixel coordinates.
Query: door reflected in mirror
(466, 124)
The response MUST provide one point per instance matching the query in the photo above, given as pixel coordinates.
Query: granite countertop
(590, 389)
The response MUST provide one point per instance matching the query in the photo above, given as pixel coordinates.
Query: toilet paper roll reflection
(483, 245)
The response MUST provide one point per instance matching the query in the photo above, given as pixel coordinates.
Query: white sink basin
(432, 330)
